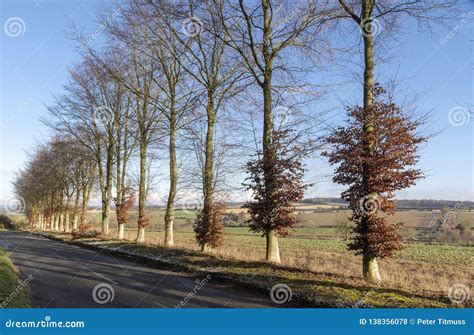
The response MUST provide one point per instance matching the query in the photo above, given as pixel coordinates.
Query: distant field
(240, 237)
(311, 224)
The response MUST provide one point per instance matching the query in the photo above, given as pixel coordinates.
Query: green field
(311, 224)
(240, 236)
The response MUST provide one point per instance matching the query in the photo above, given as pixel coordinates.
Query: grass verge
(309, 288)
(13, 291)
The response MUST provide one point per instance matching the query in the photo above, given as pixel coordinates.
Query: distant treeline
(427, 204)
(403, 203)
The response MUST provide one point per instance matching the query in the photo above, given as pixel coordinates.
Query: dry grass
(423, 269)
(432, 277)
(310, 288)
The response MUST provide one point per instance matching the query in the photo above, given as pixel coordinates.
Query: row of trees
(169, 74)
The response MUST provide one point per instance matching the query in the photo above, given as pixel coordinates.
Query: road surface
(65, 275)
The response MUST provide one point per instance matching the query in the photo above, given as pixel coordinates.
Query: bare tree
(203, 55)
(86, 112)
(47, 185)
(162, 45)
(262, 41)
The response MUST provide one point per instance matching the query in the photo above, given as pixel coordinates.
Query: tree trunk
(118, 181)
(141, 235)
(108, 185)
(371, 268)
(368, 70)
(370, 265)
(41, 221)
(208, 177)
(206, 248)
(56, 222)
(67, 223)
(142, 192)
(86, 192)
(75, 220)
(105, 183)
(121, 231)
(169, 215)
(273, 251)
(61, 214)
(75, 216)
(53, 215)
(121, 172)
(61, 222)
(105, 217)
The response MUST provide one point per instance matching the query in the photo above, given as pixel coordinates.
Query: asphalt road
(70, 276)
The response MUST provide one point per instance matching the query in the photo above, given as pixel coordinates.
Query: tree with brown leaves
(124, 203)
(275, 214)
(209, 226)
(375, 164)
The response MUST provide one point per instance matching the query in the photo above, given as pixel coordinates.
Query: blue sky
(34, 67)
